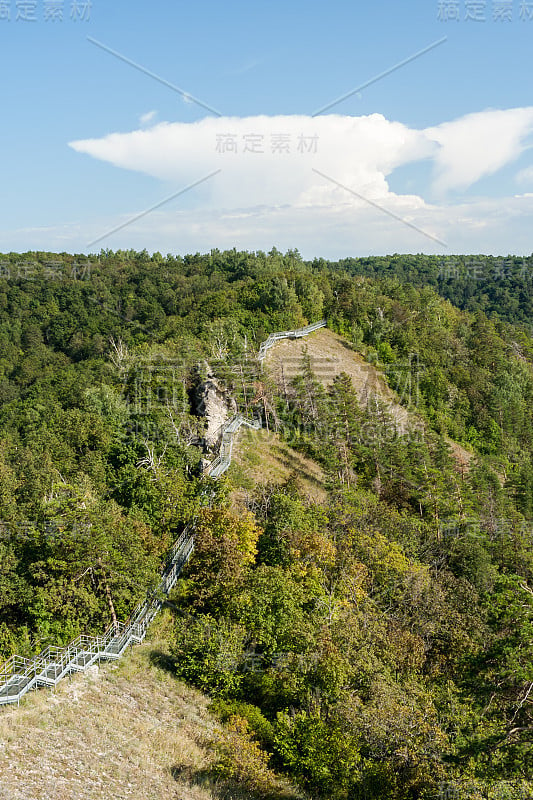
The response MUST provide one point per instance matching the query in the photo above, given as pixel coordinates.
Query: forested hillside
(376, 643)
(500, 286)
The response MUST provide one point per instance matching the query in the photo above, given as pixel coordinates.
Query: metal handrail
(20, 675)
(295, 334)
(222, 462)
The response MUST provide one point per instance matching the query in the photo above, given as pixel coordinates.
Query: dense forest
(377, 644)
(501, 287)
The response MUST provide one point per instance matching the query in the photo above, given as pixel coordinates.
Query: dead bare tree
(119, 353)
(151, 460)
(186, 428)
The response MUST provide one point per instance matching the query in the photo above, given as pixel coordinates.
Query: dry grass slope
(261, 457)
(330, 355)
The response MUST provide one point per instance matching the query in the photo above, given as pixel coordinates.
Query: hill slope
(119, 731)
(261, 457)
(124, 730)
(330, 354)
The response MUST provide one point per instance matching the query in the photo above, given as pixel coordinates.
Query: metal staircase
(19, 675)
(223, 460)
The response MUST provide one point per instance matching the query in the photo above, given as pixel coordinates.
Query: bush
(241, 758)
(207, 653)
(261, 727)
(324, 759)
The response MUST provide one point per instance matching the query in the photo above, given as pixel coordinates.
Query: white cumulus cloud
(479, 144)
(299, 179)
(268, 159)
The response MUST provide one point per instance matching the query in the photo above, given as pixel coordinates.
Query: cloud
(478, 145)
(525, 176)
(268, 159)
(145, 119)
(493, 226)
(246, 67)
(269, 190)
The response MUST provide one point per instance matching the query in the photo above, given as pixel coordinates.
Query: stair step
(56, 662)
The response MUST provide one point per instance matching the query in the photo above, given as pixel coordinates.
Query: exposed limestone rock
(216, 404)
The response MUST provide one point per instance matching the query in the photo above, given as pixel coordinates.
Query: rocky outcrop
(215, 404)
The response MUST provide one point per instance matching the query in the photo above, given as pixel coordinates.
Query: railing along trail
(223, 460)
(20, 675)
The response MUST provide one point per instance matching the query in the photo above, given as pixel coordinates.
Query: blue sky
(67, 179)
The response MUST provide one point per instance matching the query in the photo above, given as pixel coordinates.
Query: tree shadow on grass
(227, 789)
(163, 660)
